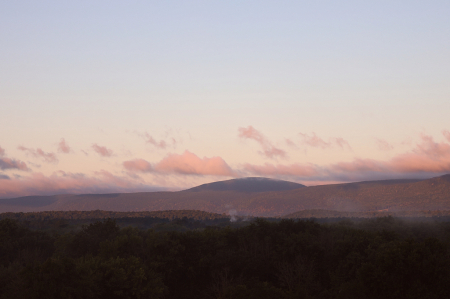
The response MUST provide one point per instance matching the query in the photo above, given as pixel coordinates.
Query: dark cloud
(6, 163)
(4, 177)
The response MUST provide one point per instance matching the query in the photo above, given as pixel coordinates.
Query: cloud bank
(426, 159)
(185, 164)
(70, 183)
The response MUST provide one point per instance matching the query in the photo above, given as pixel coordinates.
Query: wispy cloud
(290, 142)
(102, 150)
(39, 153)
(268, 149)
(63, 147)
(315, 141)
(383, 145)
(161, 144)
(446, 135)
(2, 152)
(185, 164)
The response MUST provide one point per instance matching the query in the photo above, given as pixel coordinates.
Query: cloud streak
(39, 153)
(70, 183)
(102, 150)
(268, 149)
(184, 164)
(446, 135)
(138, 165)
(317, 142)
(162, 144)
(383, 145)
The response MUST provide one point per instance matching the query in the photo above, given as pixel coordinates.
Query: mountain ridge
(389, 195)
(249, 184)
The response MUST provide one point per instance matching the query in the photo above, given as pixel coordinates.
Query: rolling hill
(251, 184)
(243, 196)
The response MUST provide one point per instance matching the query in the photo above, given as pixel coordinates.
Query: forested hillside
(378, 258)
(63, 221)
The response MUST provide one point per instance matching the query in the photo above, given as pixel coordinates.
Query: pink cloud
(446, 135)
(70, 183)
(189, 163)
(383, 145)
(2, 152)
(63, 147)
(428, 147)
(341, 142)
(290, 142)
(315, 141)
(268, 149)
(359, 166)
(427, 158)
(138, 165)
(186, 164)
(39, 153)
(299, 170)
(102, 150)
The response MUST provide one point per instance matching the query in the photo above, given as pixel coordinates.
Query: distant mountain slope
(343, 214)
(253, 184)
(392, 196)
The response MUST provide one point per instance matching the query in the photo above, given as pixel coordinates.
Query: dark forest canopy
(369, 258)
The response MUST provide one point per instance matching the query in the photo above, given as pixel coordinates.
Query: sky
(126, 96)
